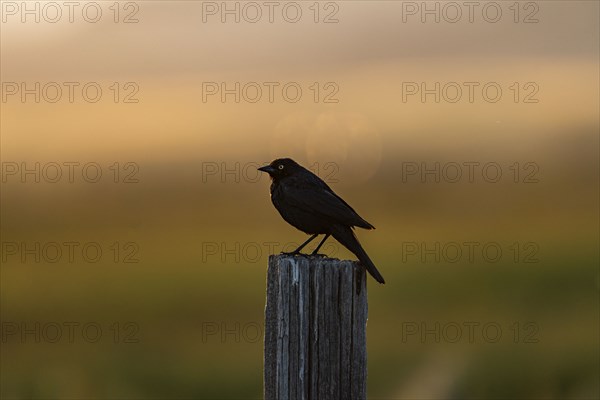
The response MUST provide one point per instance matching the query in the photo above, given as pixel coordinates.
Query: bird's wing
(323, 201)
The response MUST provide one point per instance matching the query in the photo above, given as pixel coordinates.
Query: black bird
(309, 204)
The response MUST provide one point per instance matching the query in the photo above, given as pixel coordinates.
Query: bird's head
(281, 168)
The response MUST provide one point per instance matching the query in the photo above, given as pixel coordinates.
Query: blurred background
(136, 229)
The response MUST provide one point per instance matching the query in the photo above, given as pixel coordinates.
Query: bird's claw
(297, 253)
(318, 255)
(291, 254)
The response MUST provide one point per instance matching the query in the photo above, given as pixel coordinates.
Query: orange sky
(362, 61)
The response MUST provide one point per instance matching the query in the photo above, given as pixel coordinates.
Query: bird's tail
(346, 237)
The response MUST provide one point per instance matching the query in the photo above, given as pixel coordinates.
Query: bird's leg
(316, 251)
(297, 251)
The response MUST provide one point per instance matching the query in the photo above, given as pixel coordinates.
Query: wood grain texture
(315, 329)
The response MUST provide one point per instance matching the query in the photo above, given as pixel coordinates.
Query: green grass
(172, 304)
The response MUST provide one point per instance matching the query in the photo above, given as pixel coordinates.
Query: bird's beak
(267, 168)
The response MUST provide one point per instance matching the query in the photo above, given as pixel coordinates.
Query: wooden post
(315, 329)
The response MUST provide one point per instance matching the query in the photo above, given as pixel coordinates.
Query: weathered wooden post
(315, 329)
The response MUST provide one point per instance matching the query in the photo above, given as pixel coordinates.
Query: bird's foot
(313, 254)
(292, 253)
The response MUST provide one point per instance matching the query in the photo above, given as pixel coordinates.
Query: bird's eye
(280, 166)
